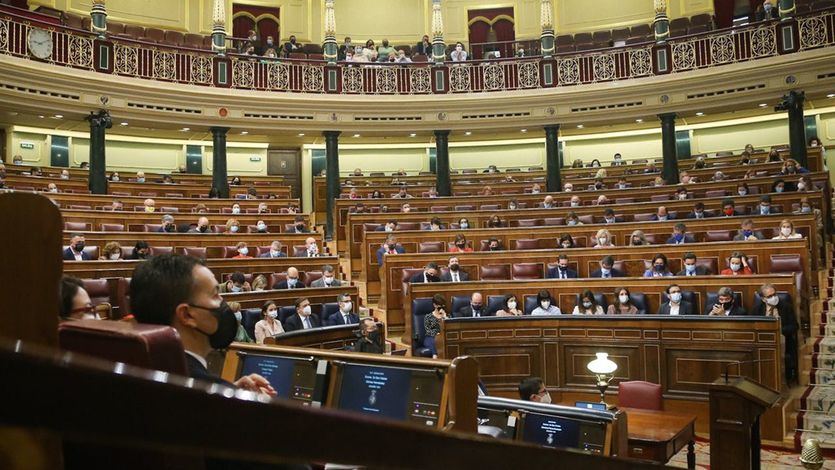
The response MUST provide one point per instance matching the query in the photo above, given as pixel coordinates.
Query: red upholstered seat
(495, 272)
(521, 271)
(465, 208)
(530, 222)
(716, 193)
(489, 207)
(150, 346)
(112, 227)
(151, 227)
(553, 221)
(195, 251)
(98, 290)
(408, 226)
(786, 264)
(79, 226)
(299, 250)
(406, 275)
(719, 236)
(526, 244)
(310, 276)
(161, 250)
(431, 247)
(640, 394)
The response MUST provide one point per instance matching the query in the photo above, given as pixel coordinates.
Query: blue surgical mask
(675, 297)
(690, 268)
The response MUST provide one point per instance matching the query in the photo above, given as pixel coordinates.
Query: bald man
(202, 226)
(292, 281)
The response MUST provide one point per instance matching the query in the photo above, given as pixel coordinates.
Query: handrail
(162, 62)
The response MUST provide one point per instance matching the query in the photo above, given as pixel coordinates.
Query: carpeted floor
(770, 459)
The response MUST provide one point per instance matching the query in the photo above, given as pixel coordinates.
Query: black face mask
(432, 278)
(476, 307)
(79, 246)
(374, 337)
(170, 228)
(227, 326)
(494, 248)
(453, 267)
(727, 305)
(203, 228)
(561, 267)
(300, 227)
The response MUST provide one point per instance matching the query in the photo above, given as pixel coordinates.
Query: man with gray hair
(328, 278)
(724, 305)
(168, 225)
(345, 315)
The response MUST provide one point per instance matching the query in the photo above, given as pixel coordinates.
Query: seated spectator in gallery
(804, 184)
(725, 305)
(291, 46)
(622, 304)
(568, 187)
(435, 224)
(75, 301)
(460, 245)
(458, 54)
(738, 265)
(389, 247)
(729, 208)
(510, 308)
(676, 305)
(311, 248)
(261, 227)
(454, 273)
(495, 222)
(233, 226)
(241, 336)
(424, 47)
(402, 194)
(566, 242)
(561, 270)
(168, 225)
(269, 325)
(345, 315)
(463, 223)
(141, 250)
(299, 225)
(682, 194)
(572, 219)
(545, 304)
(680, 236)
(242, 251)
(150, 205)
(609, 216)
(659, 268)
(389, 226)
(474, 309)
(747, 232)
(575, 201)
(778, 186)
(617, 160)
(698, 212)
(494, 244)
(661, 214)
(607, 269)
(201, 227)
(588, 305)
(691, 268)
(787, 231)
(765, 207)
(548, 202)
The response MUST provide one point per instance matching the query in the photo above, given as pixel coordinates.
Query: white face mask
(65, 177)
(742, 192)
(623, 298)
(233, 228)
(238, 316)
(675, 297)
(328, 280)
(465, 225)
(801, 186)
(511, 305)
(262, 226)
(736, 267)
(272, 313)
(244, 251)
(115, 256)
(602, 240)
(773, 300)
(306, 311)
(274, 253)
(545, 398)
(545, 304)
(587, 304)
(786, 231)
(347, 307)
(236, 210)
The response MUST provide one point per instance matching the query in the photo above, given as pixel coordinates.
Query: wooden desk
(659, 435)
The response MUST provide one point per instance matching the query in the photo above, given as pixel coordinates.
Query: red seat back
(431, 247)
(527, 271)
(498, 272)
(640, 394)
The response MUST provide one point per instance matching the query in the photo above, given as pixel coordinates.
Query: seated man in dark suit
(303, 319)
(561, 271)
(429, 274)
(698, 212)
(607, 269)
(729, 208)
(765, 207)
(676, 305)
(292, 281)
(772, 306)
(390, 247)
(724, 306)
(680, 235)
(299, 225)
(454, 273)
(328, 278)
(662, 214)
(690, 267)
(747, 232)
(76, 250)
(345, 315)
(275, 251)
(475, 309)
(180, 291)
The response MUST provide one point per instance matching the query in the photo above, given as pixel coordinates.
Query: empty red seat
(161, 250)
(195, 251)
(78, 226)
(431, 247)
(526, 244)
(640, 394)
(112, 227)
(521, 271)
(498, 272)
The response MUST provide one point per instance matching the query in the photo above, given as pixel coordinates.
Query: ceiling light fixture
(356, 135)
(301, 134)
(186, 129)
(524, 130)
(763, 105)
(831, 95)
(700, 113)
(580, 126)
(412, 135)
(468, 133)
(244, 132)
(123, 123)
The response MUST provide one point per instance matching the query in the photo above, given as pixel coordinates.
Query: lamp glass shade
(602, 365)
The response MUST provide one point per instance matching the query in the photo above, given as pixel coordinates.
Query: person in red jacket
(738, 266)
(460, 245)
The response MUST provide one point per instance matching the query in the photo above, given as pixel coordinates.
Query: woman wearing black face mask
(370, 340)
(432, 323)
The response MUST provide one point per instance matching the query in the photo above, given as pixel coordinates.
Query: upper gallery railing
(32, 38)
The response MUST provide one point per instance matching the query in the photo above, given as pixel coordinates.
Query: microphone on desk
(738, 363)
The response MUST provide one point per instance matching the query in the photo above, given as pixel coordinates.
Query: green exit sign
(27, 145)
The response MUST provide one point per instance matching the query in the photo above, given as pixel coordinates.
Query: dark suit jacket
(336, 319)
(197, 371)
(423, 50)
(70, 256)
(692, 215)
(281, 254)
(615, 273)
(669, 216)
(788, 320)
(295, 322)
(418, 278)
(757, 234)
(284, 285)
(735, 311)
(687, 239)
(553, 274)
(700, 271)
(447, 276)
(382, 251)
(686, 308)
(467, 312)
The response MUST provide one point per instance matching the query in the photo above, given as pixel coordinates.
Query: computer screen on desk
(402, 394)
(292, 378)
(564, 432)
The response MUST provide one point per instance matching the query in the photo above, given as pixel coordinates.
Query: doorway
(286, 162)
(60, 151)
(194, 159)
(491, 32)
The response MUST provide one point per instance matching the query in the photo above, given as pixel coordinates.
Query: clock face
(40, 43)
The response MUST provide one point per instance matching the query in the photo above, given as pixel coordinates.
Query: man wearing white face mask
(533, 389)
(312, 250)
(346, 315)
(773, 306)
(292, 281)
(675, 304)
(275, 251)
(303, 319)
(328, 278)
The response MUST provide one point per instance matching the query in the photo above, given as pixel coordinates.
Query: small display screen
(294, 379)
(588, 405)
(392, 393)
(556, 431)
